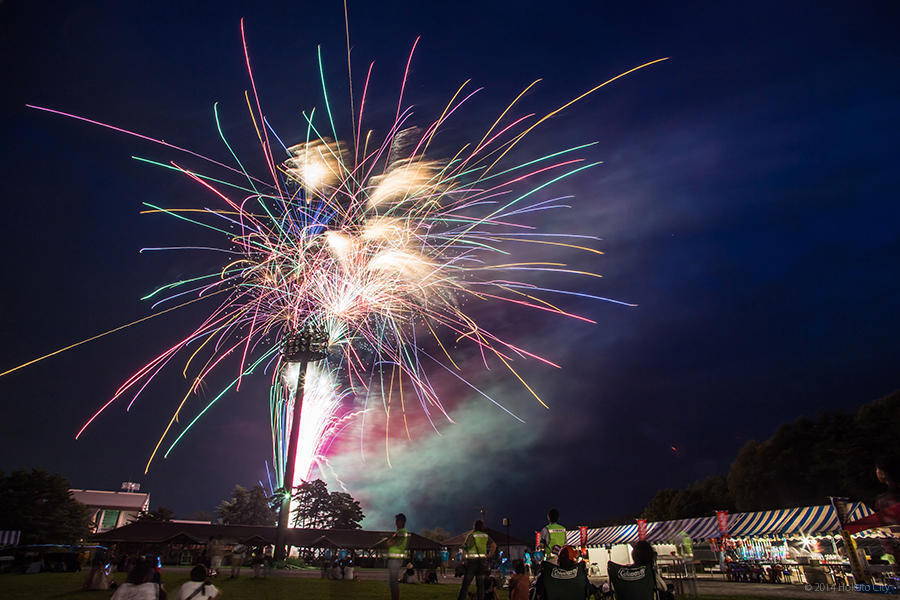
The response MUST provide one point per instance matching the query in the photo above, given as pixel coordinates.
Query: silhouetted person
(396, 552)
(643, 554)
(138, 585)
(553, 536)
(519, 583)
(199, 587)
(479, 549)
(564, 580)
(98, 577)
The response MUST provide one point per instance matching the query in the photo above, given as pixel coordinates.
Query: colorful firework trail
(391, 250)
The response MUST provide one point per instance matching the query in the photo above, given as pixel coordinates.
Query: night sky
(747, 203)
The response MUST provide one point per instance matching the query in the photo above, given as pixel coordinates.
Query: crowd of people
(260, 557)
(342, 566)
(556, 571)
(144, 582)
(144, 572)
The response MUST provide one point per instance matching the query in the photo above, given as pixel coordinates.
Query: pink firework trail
(389, 249)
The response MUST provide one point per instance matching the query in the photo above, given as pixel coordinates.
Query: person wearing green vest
(553, 536)
(479, 548)
(396, 554)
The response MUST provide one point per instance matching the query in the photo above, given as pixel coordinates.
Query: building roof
(175, 532)
(115, 500)
(192, 521)
(499, 538)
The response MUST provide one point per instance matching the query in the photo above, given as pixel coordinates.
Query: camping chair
(632, 582)
(563, 584)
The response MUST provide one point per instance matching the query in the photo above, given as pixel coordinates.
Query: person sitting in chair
(566, 580)
(644, 554)
(639, 580)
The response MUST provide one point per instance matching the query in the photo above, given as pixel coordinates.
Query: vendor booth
(799, 545)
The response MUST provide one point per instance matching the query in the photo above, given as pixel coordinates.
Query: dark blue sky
(747, 203)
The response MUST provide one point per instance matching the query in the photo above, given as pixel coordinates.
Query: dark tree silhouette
(438, 534)
(700, 499)
(808, 460)
(318, 509)
(345, 512)
(247, 507)
(162, 513)
(40, 506)
(802, 464)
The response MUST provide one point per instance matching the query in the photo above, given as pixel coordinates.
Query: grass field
(68, 585)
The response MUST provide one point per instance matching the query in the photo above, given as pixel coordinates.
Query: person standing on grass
(98, 577)
(237, 560)
(216, 550)
(479, 550)
(396, 553)
(553, 536)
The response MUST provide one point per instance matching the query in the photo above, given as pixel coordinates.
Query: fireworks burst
(391, 250)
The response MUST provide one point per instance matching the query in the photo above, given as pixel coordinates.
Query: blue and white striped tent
(786, 522)
(9, 538)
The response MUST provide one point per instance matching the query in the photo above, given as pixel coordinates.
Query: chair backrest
(564, 584)
(632, 582)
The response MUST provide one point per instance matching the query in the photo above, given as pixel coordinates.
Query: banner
(583, 530)
(840, 507)
(722, 520)
(642, 529)
(537, 540)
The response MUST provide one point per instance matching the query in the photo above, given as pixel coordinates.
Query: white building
(113, 509)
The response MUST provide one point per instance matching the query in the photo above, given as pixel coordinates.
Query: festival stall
(790, 544)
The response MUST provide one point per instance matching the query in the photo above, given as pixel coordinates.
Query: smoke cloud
(438, 479)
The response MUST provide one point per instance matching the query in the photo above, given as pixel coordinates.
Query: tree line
(803, 463)
(39, 504)
(315, 507)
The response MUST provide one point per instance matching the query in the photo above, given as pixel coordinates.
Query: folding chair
(564, 584)
(632, 582)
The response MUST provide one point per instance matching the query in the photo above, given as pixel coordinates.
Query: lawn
(68, 585)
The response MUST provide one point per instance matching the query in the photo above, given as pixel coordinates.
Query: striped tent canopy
(9, 537)
(786, 522)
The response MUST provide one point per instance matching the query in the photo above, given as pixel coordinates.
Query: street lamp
(506, 524)
(300, 347)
